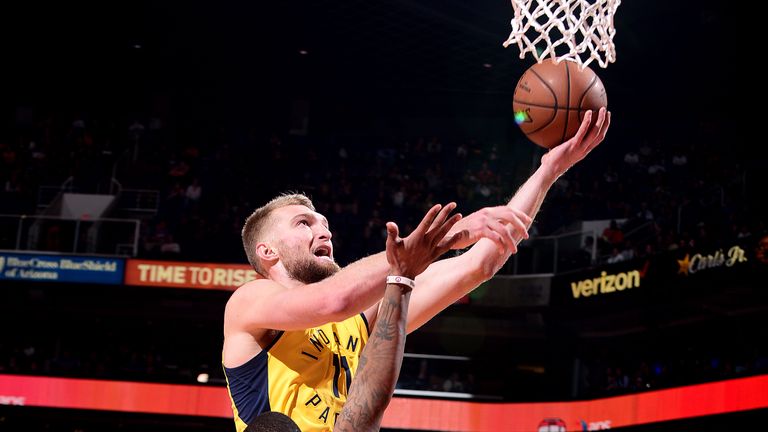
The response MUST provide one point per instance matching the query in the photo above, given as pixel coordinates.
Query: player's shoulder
(253, 290)
(237, 311)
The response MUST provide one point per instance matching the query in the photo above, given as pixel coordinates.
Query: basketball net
(577, 30)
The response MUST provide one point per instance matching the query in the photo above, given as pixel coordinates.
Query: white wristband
(401, 280)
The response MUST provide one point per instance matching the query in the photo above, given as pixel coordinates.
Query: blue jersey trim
(365, 320)
(249, 384)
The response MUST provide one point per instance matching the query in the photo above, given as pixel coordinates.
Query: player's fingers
(594, 132)
(441, 217)
(502, 213)
(427, 220)
(527, 220)
(513, 234)
(507, 214)
(500, 235)
(584, 127)
(442, 230)
(496, 238)
(507, 232)
(603, 130)
(519, 227)
(450, 242)
(392, 231)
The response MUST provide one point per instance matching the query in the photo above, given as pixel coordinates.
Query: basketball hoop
(577, 30)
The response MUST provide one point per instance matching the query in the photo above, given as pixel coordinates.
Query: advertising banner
(703, 269)
(407, 413)
(61, 268)
(187, 274)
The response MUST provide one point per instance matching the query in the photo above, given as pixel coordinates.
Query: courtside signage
(405, 413)
(606, 283)
(61, 268)
(187, 275)
(700, 262)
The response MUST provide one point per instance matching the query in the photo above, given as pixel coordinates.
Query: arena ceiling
(453, 45)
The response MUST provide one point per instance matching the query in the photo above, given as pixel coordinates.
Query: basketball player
(293, 336)
(381, 359)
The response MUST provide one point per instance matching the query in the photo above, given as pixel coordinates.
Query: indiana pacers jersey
(304, 374)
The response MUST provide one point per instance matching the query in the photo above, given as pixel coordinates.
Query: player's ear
(266, 252)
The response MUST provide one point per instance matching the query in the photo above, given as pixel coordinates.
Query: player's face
(304, 243)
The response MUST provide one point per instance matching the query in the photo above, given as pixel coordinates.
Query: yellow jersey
(304, 374)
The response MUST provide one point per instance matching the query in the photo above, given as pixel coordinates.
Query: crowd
(666, 194)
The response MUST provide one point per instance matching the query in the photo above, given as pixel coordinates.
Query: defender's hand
(411, 255)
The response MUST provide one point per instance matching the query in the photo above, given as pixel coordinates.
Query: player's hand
(411, 255)
(503, 225)
(589, 135)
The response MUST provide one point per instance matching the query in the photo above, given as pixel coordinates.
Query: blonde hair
(255, 224)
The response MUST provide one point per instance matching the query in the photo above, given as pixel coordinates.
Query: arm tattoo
(379, 366)
(388, 319)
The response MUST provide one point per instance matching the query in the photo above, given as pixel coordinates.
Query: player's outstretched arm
(497, 230)
(554, 163)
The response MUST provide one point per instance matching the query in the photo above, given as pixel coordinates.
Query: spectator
(612, 235)
(193, 193)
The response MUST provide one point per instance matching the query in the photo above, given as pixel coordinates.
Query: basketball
(551, 99)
